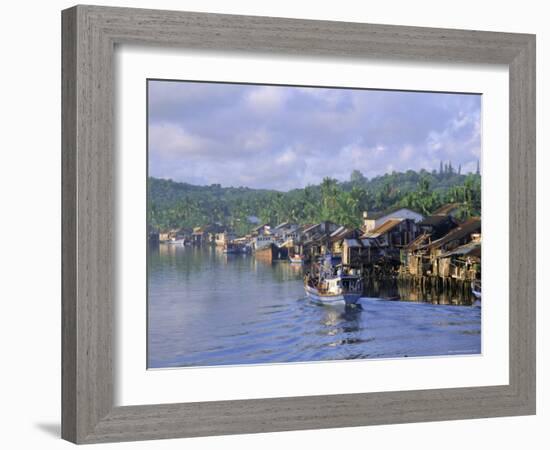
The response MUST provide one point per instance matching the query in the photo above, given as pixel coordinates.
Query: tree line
(175, 205)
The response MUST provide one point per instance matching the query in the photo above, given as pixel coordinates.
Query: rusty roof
(344, 233)
(464, 229)
(469, 249)
(419, 242)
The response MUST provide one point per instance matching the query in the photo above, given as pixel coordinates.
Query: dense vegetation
(173, 204)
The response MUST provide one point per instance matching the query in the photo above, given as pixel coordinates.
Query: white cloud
(170, 140)
(406, 153)
(254, 139)
(285, 137)
(266, 99)
(286, 158)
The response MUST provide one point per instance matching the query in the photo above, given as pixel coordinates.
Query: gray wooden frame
(89, 36)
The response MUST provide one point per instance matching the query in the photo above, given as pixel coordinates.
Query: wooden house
(462, 263)
(225, 237)
(314, 239)
(286, 231)
(357, 253)
(261, 230)
(437, 226)
(198, 236)
(415, 256)
(164, 236)
(206, 235)
(395, 233)
(440, 250)
(174, 234)
(460, 235)
(336, 239)
(321, 229)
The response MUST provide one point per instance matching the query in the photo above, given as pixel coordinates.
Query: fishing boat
(332, 285)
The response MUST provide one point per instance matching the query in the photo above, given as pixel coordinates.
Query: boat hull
(476, 289)
(295, 260)
(348, 298)
(271, 253)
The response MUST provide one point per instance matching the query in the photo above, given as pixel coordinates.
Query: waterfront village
(431, 253)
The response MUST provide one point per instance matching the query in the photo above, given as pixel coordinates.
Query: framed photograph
(268, 222)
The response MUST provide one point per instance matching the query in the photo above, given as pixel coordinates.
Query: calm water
(207, 308)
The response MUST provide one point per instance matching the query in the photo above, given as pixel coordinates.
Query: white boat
(338, 290)
(476, 289)
(331, 285)
(176, 241)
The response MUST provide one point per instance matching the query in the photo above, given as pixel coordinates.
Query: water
(206, 308)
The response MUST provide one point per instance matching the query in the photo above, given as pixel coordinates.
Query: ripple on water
(256, 313)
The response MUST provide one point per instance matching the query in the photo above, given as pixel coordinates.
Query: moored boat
(176, 241)
(296, 259)
(476, 289)
(231, 248)
(271, 252)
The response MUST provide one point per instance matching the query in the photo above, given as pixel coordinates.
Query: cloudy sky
(280, 137)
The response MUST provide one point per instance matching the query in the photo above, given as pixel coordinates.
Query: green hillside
(173, 204)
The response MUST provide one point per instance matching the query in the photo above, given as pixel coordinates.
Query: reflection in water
(397, 290)
(208, 308)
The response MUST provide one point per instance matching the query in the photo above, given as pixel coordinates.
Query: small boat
(337, 290)
(296, 259)
(231, 248)
(476, 289)
(331, 285)
(176, 241)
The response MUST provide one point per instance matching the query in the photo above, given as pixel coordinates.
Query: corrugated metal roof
(418, 242)
(388, 225)
(311, 227)
(469, 249)
(338, 231)
(354, 243)
(470, 226)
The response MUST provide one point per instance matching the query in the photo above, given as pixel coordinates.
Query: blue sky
(280, 137)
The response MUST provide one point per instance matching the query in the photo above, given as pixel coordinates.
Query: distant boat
(176, 241)
(332, 286)
(476, 289)
(231, 248)
(271, 252)
(296, 259)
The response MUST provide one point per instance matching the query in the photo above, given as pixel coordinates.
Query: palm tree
(329, 191)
